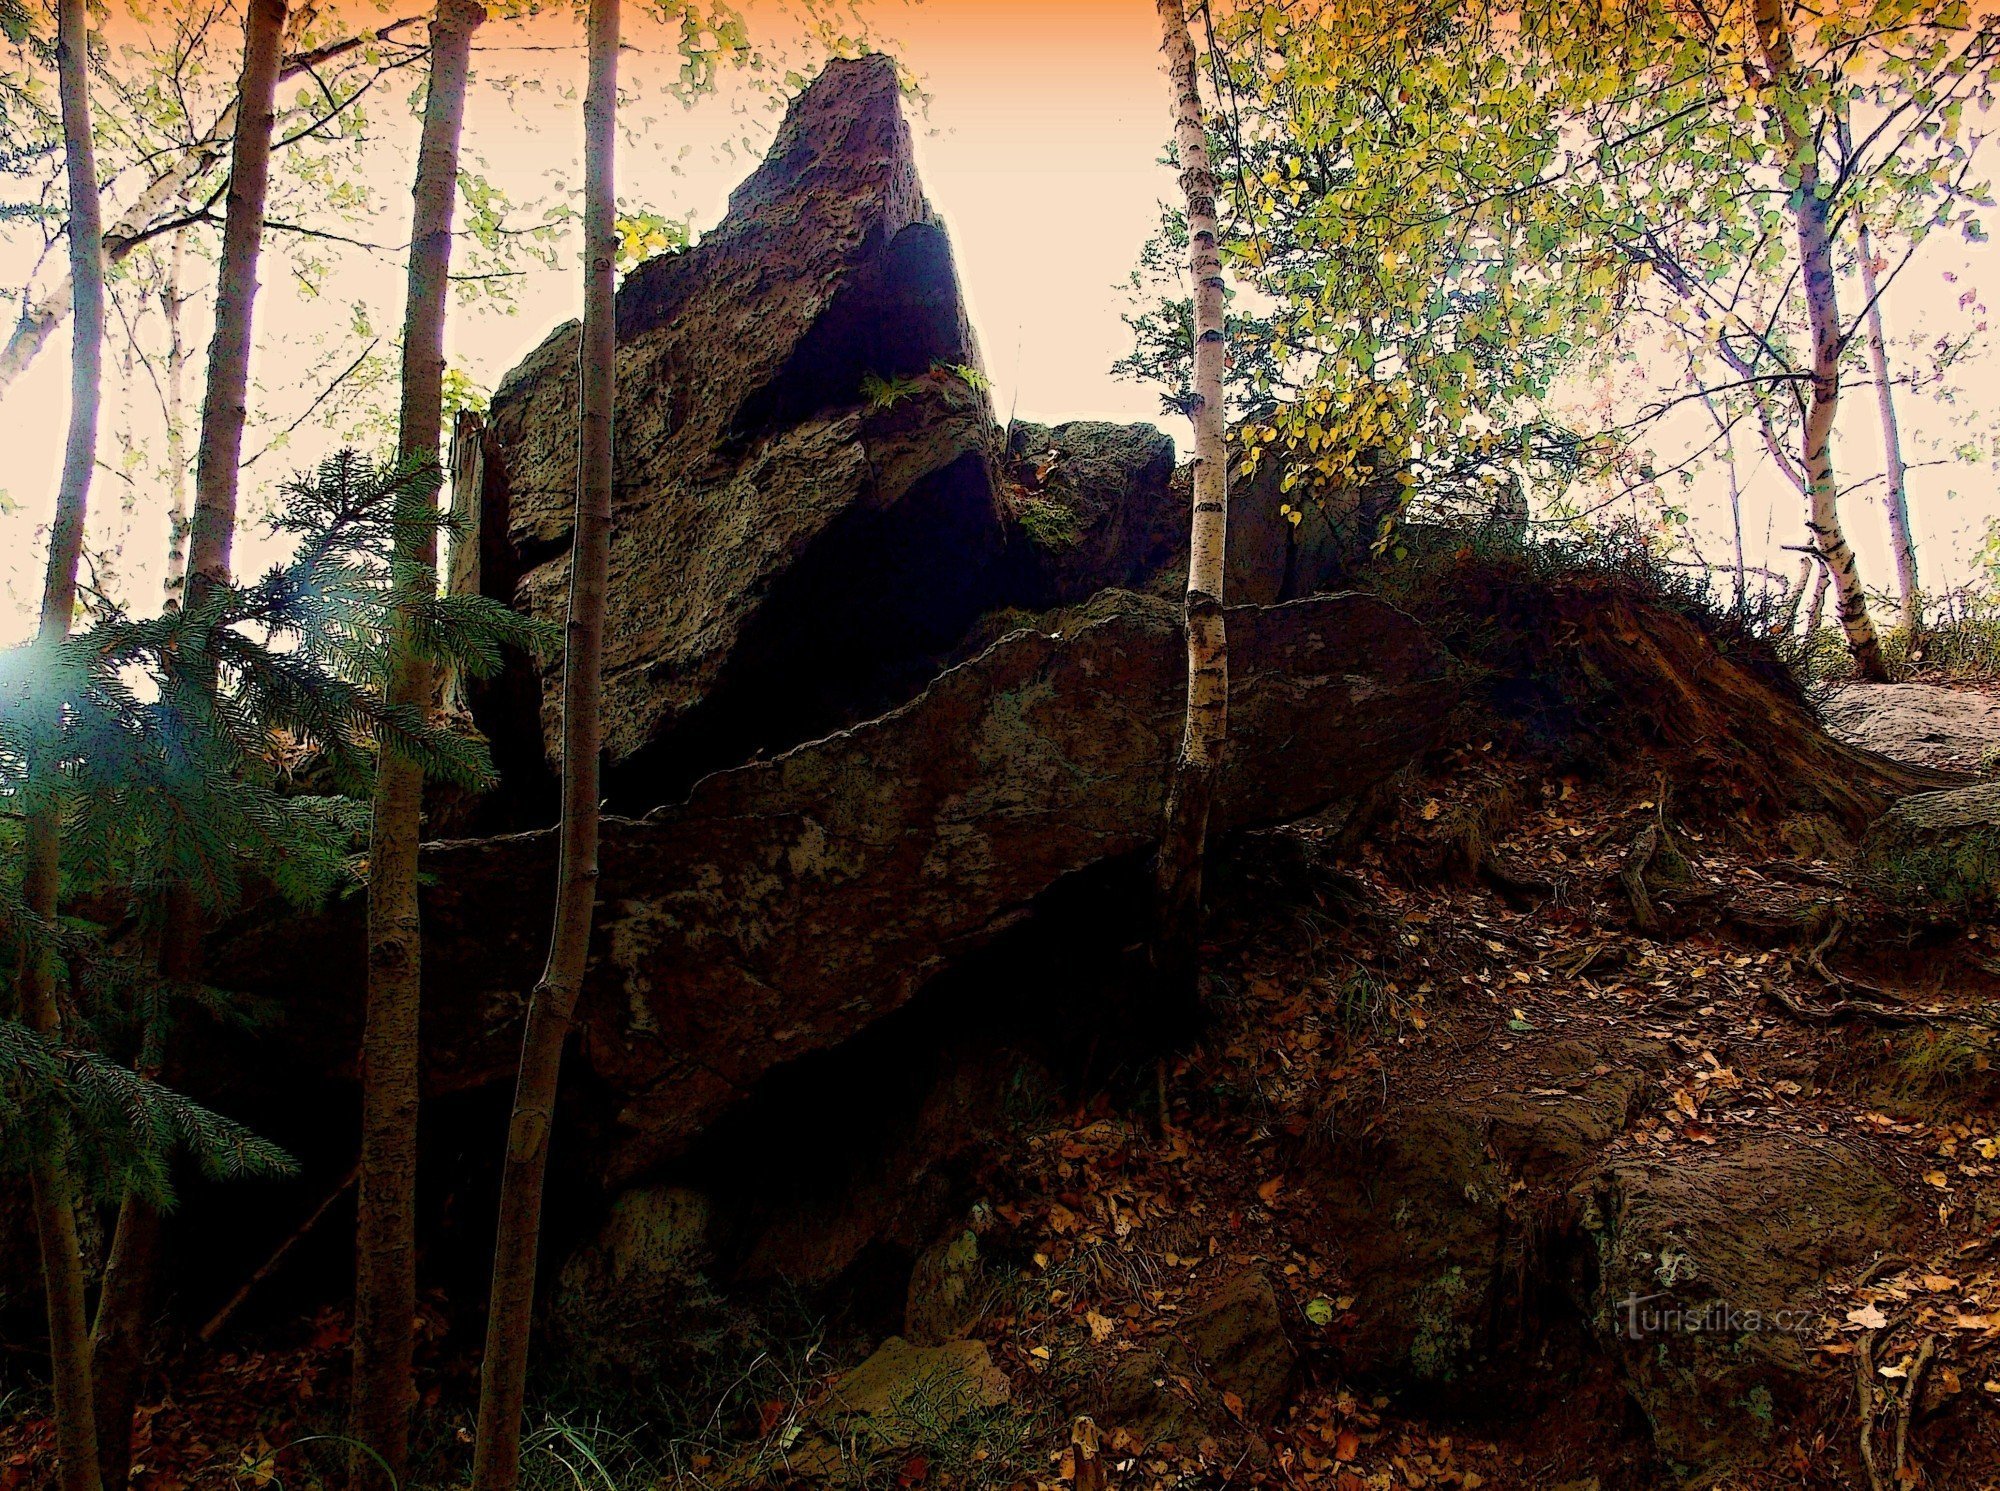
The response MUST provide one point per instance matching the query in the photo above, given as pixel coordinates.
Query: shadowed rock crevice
(900, 317)
(816, 655)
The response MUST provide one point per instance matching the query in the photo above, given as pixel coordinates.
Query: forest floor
(1458, 1118)
(1781, 1030)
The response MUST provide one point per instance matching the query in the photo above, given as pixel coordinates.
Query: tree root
(1912, 1387)
(1841, 1009)
(1864, 1387)
(1633, 876)
(1900, 1472)
(1523, 892)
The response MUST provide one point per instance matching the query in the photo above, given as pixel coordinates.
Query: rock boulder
(804, 514)
(1710, 1270)
(1937, 849)
(790, 903)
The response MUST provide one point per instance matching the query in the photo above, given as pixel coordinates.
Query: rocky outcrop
(1924, 723)
(1225, 1369)
(1088, 506)
(1436, 1211)
(804, 514)
(790, 903)
(1287, 543)
(1510, 1212)
(1708, 1271)
(1937, 849)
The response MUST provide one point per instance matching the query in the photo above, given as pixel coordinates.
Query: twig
(270, 1265)
(313, 408)
(1878, 1268)
(1578, 966)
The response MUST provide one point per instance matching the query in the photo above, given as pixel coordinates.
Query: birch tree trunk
(385, 1282)
(504, 1371)
(53, 1191)
(1176, 934)
(212, 530)
(1809, 217)
(1788, 608)
(1736, 522)
(1909, 591)
(172, 302)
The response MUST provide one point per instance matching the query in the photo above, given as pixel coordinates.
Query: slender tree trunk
(44, 313)
(118, 1343)
(1896, 499)
(504, 1372)
(1788, 609)
(172, 303)
(1809, 217)
(1176, 941)
(1816, 607)
(212, 531)
(1728, 433)
(125, 1300)
(385, 1278)
(1736, 522)
(128, 1290)
(52, 1187)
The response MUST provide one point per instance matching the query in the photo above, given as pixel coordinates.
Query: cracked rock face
(790, 903)
(803, 512)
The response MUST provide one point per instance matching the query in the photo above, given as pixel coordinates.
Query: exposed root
(1873, 1401)
(1633, 878)
(1522, 891)
(1912, 1388)
(1842, 1009)
(1864, 1387)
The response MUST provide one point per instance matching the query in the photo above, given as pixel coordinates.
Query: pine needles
(172, 748)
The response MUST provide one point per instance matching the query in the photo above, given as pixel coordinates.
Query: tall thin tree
(504, 1372)
(125, 1298)
(385, 1279)
(173, 304)
(51, 1183)
(1822, 296)
(225, 401)
(211, 531)
(1176, 939)
(1896, 499)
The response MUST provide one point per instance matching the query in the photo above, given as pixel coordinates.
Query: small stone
(904, 1393)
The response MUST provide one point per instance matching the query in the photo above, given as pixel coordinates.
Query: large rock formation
(1937, 850)
(790, 903)
(804, 513)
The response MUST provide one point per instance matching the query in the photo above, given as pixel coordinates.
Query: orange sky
(1039, 148)
(1045, 122)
